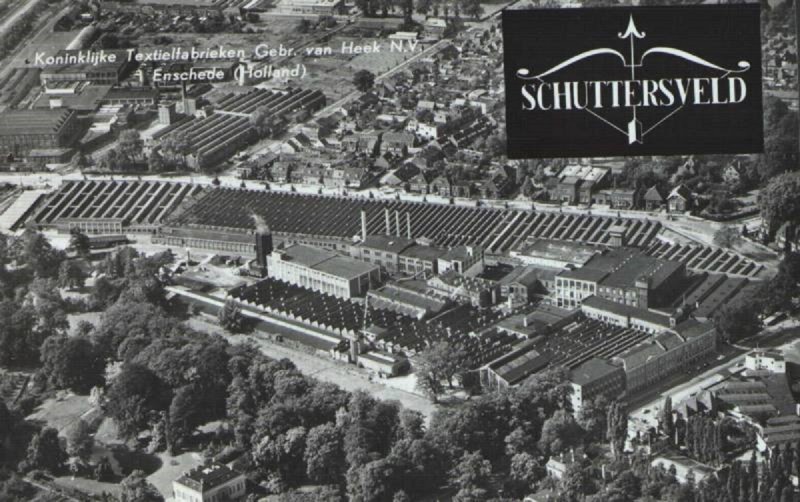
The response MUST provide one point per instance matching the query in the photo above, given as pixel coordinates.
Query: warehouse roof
(14, 122)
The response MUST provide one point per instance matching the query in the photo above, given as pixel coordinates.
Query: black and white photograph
(399, 251)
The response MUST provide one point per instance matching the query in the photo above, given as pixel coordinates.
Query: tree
(727, 237)
(303, 26)
(33, 249)
(525, 472)
(473, 8)
(103, 471)
(156, 162)
(666, 421)
(471, 477)
(80, 441)
(185, 413)
(79, 242)
(45, 452)
(71, 275)
(617, 427)
(780, 203)
(559, 433)
(738, 320)
(72, 363)
(230, 317)
(442, 360)
(324, 456)
(136, 488)
(592, 417)
(364, 80)
(133, 397)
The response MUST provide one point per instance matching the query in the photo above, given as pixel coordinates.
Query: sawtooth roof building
(24, 130)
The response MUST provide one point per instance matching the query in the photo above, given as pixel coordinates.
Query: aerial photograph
(399, 251)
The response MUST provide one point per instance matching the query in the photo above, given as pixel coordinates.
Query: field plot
(387, 58)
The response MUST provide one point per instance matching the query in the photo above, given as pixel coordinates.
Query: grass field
(62, 411)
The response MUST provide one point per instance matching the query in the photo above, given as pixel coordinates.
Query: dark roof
(527, 276)
(15, 122)
(421, 252)
(653, 193)
(205, 478)
(519, 364)
(592, 370)
(638, 266)
(387, 243)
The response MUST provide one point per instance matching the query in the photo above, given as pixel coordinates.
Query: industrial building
(24, 130)
(323, 271)
(622, 275)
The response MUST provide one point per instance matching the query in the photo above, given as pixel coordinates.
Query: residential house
(397, 142)
(680, 199)
(653, 200)
(441, 185)
(418, 183)
(618, 198)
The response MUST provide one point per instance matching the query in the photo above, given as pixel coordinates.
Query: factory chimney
(408, 224)
(363, 225)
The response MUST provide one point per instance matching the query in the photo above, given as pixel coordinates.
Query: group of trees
(126, 156)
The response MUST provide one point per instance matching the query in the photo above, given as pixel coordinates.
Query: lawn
(63, 410)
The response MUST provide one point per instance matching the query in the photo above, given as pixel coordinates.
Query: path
(347, 377)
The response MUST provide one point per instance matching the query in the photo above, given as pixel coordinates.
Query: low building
(555, 253)
(765, 360)
(465, 260)
(779, 431)
(324, 271)
(72, 70)
(618, 198)
(405, 298)
(653, 199)
(578, 184)
(383, 364)
(315, 7)
(625, 316)
(687, 470)
(523, 284)
(212, 483)
(398, 254)
(595, 378)
(513, 368)
(471, 290)
(680, 199)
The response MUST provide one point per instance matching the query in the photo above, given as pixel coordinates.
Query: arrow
(632, 32)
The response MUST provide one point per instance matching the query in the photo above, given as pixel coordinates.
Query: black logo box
(724, 35)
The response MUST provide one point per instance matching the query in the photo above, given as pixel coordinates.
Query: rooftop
(387, 243)
(326, 261)
(14, 122)
(559, 250)
(590, 371)
(205, 478)
(519, 364)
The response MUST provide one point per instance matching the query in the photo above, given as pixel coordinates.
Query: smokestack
(388, 223)
(397, 222)
(363, 225)
(408, 224)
